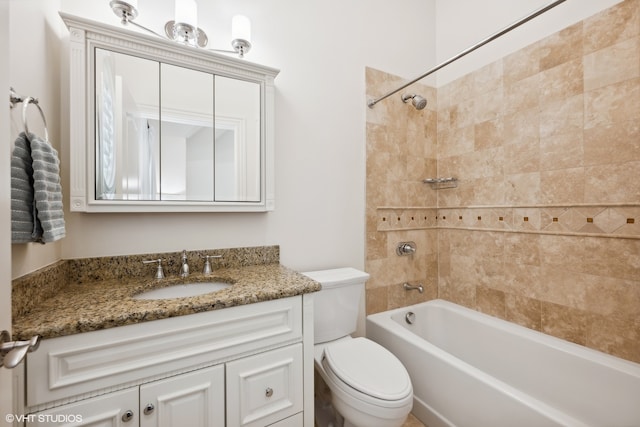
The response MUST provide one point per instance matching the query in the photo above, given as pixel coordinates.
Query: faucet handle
(207, 263)
(406, 248)
(159, 271)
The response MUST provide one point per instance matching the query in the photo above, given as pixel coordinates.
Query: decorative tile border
(392, 219)
(622, 221)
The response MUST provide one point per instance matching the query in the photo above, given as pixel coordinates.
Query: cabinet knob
(149, 408)
(127, 416)
(268, 392)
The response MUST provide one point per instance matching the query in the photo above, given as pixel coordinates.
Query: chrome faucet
(184, 267)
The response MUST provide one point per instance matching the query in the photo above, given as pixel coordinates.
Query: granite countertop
(84, 307)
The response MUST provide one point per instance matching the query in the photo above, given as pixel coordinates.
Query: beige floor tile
(413, 422)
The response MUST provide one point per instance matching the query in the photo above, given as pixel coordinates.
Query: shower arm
(492, 37)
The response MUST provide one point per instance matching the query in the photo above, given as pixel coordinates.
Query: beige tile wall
(544, 226)
(401, 151)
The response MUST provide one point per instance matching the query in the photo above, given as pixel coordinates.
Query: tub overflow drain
(410, 317)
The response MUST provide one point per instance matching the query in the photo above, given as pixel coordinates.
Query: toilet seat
(368, 371)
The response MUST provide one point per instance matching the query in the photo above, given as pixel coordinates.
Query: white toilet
(369, 386)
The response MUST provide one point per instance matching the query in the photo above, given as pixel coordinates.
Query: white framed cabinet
(195, 399)
(244, 366)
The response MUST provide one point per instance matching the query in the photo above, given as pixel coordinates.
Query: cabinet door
(119, 409)
(265, 388)
(194, 399)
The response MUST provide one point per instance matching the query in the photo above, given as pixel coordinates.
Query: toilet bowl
(369, 386)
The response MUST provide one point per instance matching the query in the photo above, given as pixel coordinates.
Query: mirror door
(127, 117)
(237, 150)
(187, 134)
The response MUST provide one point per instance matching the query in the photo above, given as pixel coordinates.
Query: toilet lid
(369, 368)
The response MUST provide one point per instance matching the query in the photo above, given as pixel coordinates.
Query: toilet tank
(336, 306)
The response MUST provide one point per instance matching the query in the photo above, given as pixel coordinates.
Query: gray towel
(22, 202)
(47, 191)
(36, 193)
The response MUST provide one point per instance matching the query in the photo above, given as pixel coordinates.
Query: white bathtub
(473, 370)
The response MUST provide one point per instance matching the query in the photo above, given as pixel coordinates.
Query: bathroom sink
(183, 290)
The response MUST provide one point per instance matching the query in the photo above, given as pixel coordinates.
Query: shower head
(418, 101)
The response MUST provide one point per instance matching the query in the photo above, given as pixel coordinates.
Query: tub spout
(409, 287)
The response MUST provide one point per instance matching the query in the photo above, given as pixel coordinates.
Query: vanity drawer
(89, 363)
(265, 388)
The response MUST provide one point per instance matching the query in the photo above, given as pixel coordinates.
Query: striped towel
(49, 224)
(22, 203)
(36, 193)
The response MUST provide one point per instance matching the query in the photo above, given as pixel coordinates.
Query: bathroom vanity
(241, 356)
(244, 361)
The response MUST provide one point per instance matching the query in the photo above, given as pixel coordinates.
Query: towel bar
(16, 99)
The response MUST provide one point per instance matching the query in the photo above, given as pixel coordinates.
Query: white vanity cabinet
(250, 365)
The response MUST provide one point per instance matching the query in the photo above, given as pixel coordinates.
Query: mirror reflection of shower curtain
(148, 188)
(106, 156)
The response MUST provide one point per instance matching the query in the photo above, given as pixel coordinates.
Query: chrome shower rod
(492, 37)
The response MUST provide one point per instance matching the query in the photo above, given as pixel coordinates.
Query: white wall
(34, 70)
(461, 24)
(6, 396)
(322, 49)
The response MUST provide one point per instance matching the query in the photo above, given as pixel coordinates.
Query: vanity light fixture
(184, 28)
(241, 34)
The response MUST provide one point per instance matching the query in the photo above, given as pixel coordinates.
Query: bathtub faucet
(409, 287)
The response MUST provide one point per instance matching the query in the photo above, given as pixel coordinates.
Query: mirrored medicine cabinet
(156, 126)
